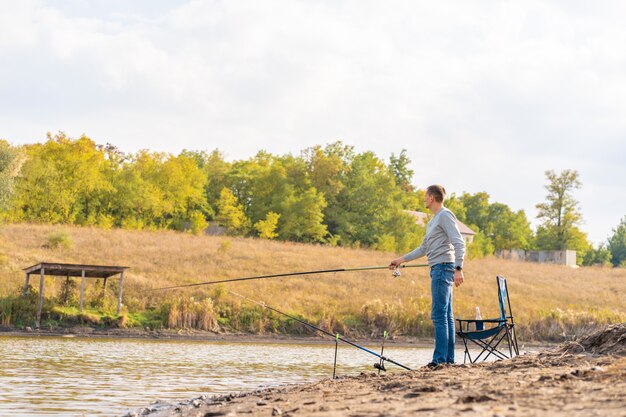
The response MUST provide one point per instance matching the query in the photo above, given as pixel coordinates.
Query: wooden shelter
(74, 270)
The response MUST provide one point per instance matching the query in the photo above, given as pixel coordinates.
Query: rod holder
(336, 347)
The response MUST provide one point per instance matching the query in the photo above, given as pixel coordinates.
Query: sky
(483, 95)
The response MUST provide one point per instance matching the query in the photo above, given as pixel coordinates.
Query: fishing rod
(396, 273)
(336, 337)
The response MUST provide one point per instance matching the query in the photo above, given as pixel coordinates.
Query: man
(444, 248)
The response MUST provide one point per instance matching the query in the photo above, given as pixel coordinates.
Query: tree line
(325, 194)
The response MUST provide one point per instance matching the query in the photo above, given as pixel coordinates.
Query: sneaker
(431, 365)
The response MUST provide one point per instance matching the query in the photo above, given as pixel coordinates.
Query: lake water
(81, 376)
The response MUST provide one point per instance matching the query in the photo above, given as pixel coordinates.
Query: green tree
(282, 185)
(230, 213)
(476, 210)
(369, 208)
(617, 244)
(139, 202)
(302, 217)
(182, 183)
(560, 212)
(402, 234)
(10, 164)
(366, 202)
(216, 170)
(578, 241)
(598, 256)
(500, 227)
(201, 158)
(399, 167)
(327, 169)
(480, 247)
(508, 229)
(158, 190)
(264, 184)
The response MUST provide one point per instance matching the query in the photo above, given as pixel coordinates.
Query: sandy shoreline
(585, 378)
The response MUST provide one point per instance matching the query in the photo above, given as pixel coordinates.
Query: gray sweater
(443, 241)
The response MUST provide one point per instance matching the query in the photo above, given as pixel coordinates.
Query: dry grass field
(549, 301)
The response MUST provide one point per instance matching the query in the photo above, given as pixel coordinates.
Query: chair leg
(514, 333)
(466, 353)
(489, 347)
(493, 349)
(508, 340)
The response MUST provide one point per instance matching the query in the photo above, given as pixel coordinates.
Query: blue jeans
(441, 282)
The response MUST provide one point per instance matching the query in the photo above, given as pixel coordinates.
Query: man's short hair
(437, 191)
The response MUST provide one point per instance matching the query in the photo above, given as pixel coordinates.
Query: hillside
(549, 301)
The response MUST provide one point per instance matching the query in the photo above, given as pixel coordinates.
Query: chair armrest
(480, 321)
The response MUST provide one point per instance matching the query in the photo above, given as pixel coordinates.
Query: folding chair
(489, 339)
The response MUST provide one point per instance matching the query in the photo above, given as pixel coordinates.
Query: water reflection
(76, 376)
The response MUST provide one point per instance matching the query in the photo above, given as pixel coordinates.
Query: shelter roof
(75, 270)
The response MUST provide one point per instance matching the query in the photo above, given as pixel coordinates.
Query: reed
(550, 302)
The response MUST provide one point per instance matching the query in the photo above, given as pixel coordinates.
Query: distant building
(214, 229)
(423, 218)
(560, 257)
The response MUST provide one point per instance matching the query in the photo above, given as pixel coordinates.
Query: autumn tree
(230, 213)
(266, 228)
(61, 181)
(10, 164)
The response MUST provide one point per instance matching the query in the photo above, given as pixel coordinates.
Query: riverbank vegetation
(550, 302)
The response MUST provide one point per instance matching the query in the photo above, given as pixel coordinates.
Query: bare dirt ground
(585, 378)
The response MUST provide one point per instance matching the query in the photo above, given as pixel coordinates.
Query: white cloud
(485, 96)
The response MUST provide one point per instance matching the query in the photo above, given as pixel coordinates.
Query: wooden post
(82, 289)
(41, 288)
(119, 297)
(26, 285)
(67, 288)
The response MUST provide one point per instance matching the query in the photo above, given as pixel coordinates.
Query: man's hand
(396, 263)
(458, 278)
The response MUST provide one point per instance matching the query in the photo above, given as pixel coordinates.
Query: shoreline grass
(550, 302)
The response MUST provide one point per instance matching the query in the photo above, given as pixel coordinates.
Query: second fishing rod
(334, 336)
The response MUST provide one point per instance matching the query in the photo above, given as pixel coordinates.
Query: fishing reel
(396, 272)
(380, 366)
